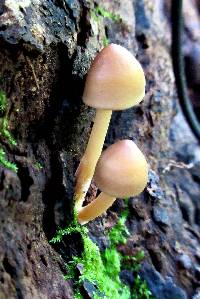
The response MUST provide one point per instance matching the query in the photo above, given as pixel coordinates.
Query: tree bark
(46, 48)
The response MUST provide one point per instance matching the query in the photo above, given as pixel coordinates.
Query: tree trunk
(46, 48)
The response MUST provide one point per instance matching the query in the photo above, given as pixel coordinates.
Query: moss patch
(3, 101)
(5, 162)
(102, 269)
(5, 133)
(98, 14)
(100, 11)
(38, 166)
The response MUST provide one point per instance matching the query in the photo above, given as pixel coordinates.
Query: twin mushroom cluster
(115, 81)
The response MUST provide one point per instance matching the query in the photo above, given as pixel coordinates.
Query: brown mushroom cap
(115, 80)
(122, 170)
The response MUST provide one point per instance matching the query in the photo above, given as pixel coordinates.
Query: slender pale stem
(96, 208)
(93, 151)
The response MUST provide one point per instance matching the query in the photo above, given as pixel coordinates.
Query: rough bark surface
(46, 48)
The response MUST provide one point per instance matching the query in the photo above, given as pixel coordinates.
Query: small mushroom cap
(122, 170)
(115, 80)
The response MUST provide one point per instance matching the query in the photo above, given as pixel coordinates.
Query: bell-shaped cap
(122, 170)
(115, 80)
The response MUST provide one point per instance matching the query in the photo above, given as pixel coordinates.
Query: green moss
(4, 127)
(102, 269)
(94, 16)
(3, 101)
(105, 41)
(4, 132)
(100, 11)
(119, 233)
(140, 289)
(96, 268)
(38, 165)
(78, 296)
(5, 162)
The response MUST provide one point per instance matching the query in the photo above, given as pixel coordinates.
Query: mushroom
(121, 171)
(115, 81)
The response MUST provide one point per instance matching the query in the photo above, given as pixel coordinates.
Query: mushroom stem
(85, 171)
(96, 208)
